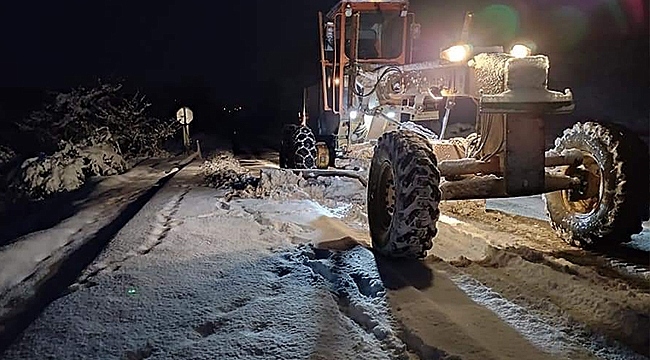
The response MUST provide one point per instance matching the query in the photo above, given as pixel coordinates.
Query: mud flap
(328, 123)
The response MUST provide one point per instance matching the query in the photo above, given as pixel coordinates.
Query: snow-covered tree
(78, 115)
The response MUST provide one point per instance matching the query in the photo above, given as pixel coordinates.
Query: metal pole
(186, 131)
(186, 137)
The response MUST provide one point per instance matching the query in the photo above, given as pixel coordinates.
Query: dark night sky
(244, 51)
(61, 43)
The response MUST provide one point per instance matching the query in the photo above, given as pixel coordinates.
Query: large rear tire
(403, 195)
(613, 202)
(298, 148)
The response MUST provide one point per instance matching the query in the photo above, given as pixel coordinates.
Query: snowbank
(341, 196)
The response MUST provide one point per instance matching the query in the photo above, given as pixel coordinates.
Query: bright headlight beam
(353, 114)
(457, 53)
(520, 51)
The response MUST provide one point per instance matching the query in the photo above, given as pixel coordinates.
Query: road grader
(594, 180)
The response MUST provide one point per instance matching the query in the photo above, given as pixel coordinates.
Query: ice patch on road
(549, 335)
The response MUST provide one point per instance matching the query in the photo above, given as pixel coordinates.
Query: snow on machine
(594, 181)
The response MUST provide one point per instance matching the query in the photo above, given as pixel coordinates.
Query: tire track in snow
(164, 222)
(630, 259)
(551, 336)
(626, 261)
(359, 293)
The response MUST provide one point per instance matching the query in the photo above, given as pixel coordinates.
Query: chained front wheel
(298, 148)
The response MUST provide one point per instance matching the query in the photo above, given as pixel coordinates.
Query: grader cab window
(380, 35)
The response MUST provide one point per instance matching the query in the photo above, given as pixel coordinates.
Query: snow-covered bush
(78, 115)
(8, 159)
(6, 155)
(66, 170)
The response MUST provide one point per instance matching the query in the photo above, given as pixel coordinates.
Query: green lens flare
(618, 14)
(570, 25)
(502, 22)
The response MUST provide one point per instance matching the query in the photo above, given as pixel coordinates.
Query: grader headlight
(520, 51)
(456, 53)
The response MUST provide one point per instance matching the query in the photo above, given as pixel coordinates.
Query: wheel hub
(586, 198)
(322, 155)
(386, 196)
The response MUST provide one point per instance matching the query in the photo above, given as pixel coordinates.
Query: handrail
(323, 61)
(341, 65)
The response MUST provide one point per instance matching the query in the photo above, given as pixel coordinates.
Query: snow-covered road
(289, 275)
(194, 277)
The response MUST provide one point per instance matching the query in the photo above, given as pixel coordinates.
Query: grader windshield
(371, 31)
(380, 34)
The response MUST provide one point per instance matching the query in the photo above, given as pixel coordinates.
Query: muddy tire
(403, 195)
(613, 202)
(298, 148)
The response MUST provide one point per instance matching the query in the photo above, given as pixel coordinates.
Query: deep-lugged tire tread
(626, 157)
(417, 192)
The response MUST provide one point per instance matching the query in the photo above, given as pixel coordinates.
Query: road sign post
(185, 116)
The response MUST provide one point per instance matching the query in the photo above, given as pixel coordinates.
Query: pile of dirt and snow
(66, 169)
(223, 171)
(358, 158)
(284, 184)
(343, 197)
